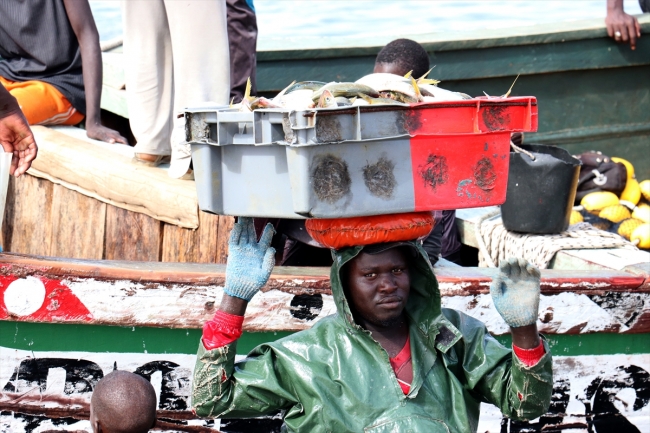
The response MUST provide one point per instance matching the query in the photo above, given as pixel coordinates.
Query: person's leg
(149, 75)
(201, 65)
(42, 103)
(242, 38)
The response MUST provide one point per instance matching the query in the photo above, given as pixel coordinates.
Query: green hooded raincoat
(335, 378)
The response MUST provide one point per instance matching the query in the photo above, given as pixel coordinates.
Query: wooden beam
(180, 295)
(193, 246)
(586, 259)
(132, 236)
(78, 224)
(28, 216)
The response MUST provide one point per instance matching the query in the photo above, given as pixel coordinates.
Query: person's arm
(15, 135)
(515, 293)
(621, 26)
(83, 25)
(496, 375)
(255, 390)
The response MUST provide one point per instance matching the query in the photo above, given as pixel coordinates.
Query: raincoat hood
(334, 377)
(424, 305)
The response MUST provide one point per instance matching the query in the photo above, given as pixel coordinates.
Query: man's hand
(249, 263)
(102, 133)
(16, 137)
(621, 26)
(515, 292)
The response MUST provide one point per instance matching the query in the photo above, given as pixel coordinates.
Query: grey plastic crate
(354, 161)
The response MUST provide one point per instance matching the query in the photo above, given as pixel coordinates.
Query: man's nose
(388, 283)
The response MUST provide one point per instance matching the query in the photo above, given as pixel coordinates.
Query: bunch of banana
(589, 217)
(575, 218)
(641, 236)
(645, 189)
(595, 202)
(627, 215)
(626, 227)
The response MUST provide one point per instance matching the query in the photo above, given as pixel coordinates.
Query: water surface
(365, 18)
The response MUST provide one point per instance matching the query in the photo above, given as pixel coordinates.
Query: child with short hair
(123, 402)
(399, 57)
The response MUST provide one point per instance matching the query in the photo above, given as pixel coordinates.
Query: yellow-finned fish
(418, 94)
(326, 100)
(511, 86)
(378, 101)
(424, 80)
(395, 95)
(279, 95)
(305, 85)
(245, 104)
(348, 90)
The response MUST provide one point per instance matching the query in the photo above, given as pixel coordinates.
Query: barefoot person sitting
(123, 402)
(391, 359)
(51, 62)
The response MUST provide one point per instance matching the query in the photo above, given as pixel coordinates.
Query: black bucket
(540, 192)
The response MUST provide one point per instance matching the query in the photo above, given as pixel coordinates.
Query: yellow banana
(627, 227)
(641, 236)
(628, 166)
(632, 191)
(645, 189)
(642, 212)
(575, 218)
(594, 202)
(615, 214)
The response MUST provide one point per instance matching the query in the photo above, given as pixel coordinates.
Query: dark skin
(15, 135)
(378, 289)
(83, 26)
(394, 68)
(618, 21)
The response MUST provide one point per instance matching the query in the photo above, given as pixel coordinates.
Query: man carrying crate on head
(391, 359)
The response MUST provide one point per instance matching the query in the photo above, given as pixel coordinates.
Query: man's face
(379, 286)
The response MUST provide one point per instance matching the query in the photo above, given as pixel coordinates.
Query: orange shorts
(42, 103)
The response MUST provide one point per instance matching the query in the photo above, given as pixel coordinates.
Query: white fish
(296, 100)
(391, 82)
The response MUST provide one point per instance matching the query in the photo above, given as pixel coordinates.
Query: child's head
(122, 402)
(401, 56)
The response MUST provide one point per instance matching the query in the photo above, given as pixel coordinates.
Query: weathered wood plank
(132, 236)
(192, 246)
(305, 280)
(8, 219)
(586, 259)
(29, 216)
(78, 225)
(147, 294)
(81, 165)
(578, 381)
(225, 226)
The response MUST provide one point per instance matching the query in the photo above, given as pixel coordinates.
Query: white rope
(520, 150)
(496, 243)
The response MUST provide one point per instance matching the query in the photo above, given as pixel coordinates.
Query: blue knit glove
(249, 263)
(515, 292)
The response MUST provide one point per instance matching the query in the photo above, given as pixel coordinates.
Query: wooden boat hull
(74, 320)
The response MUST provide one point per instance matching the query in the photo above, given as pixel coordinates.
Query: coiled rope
(495, 243)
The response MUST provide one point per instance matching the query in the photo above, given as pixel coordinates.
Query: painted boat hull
(80, 319)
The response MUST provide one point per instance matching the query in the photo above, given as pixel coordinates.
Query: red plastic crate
(355, 161)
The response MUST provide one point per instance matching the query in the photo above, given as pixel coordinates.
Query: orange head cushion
(339, 233)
